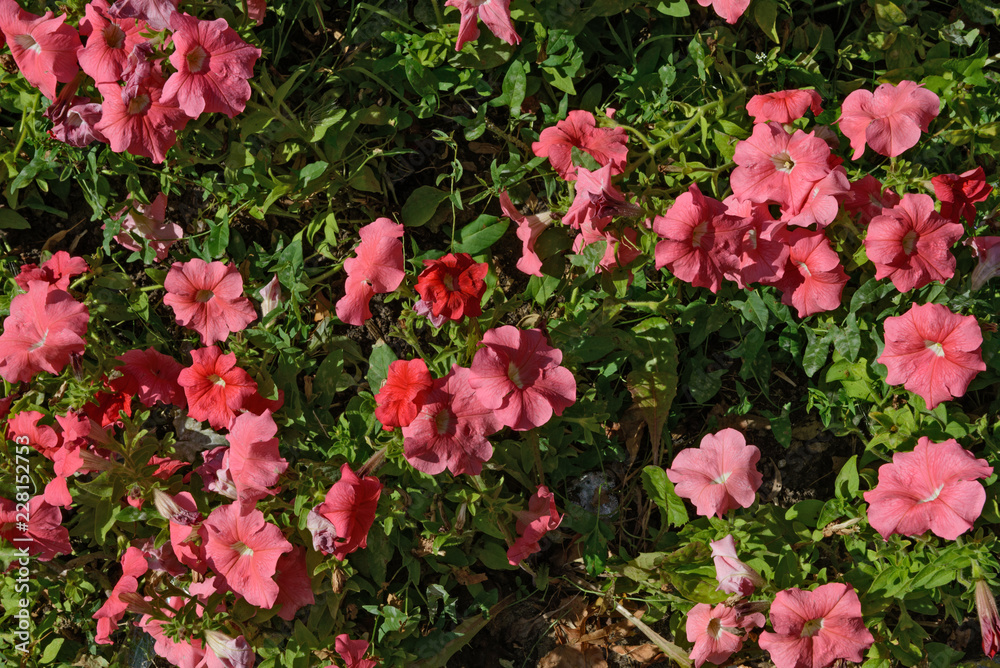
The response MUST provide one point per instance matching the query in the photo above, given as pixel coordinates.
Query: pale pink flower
(889, 120)
(719, 475)
(149, 222)
(717, 633)
(734, 576)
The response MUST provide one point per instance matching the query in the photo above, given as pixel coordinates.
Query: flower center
(936, 347)
(720, 480)
(811, 628)
(449, 282)
(138, 104)
(197, 60)
(203, 296)
(697, 233)
(216, 379)
(933, 495)
(751, 239)
(783, 162)
(910, 242)
(714, 628)
(515, 376)
(444, 421)
(41, 342)
(28, 43)
(114, 36)
(803, 269)
(244, 549)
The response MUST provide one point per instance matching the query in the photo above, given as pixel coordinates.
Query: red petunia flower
(814, 628)
(494, 13)
(152, 376)
(109, 43)
(540, 518)
(933, 489)
(56, 271)
(377, 268)
(402, 396)
(889, 120)
(45, 534)
(244, 549)
(959, 193)
(453, 285)
(821, 203)
(44, 47)
(294, 584)
(814, 279)
(340, 524)
(517, 375)
(215, 387)
(933, 352)
(255, 463)
(214, 66)
(784, 106)
(761, 256)
(451, 429)
(529, 228)
(717, 633)
(774, 166)
(719, 475)
(911, 243)
(44, 329)
(208, 298)
(579, 130)
(867, 199)
(597, 200)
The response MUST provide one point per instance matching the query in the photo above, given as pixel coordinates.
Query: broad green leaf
(515, 83)
(847, 483)
(421, 205)
(480, 234)
(817, 350)
(659, 488)
(12, 220)
(378, 370)
(765, 13)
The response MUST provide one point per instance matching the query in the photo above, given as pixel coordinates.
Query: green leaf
(847, 482)
(703, 384)
(421, 205)
(378, 369)
(847, 338)
(817, 350)
(765, 12)
(654, 385)
(940, 655)
(312, 171)
(218, 240)
(480, 234)
(676, 8)
(659, 488)
(12, 220)
(515, 83)
(52, 650)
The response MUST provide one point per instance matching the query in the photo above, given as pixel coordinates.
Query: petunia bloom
(43, 47)
(987, 251)
(208, 298)
(156, 13)
(45, 536)
(517, 374)
(353, 652)
(340, 524)
(958, 193)
(529, 228)
(867, 199)
(453, 286)
(214, 67)
(494, 13)
(814, 628)
(377, 268)
(25, 430)
(74, 121)
(717, 633)
(108, 44)
(597, 200)
(134, 566)
(933, 489)
(227, 652)
(730, 10)
(719, 475)
(579, 130)
(774, 166)
(911, 243)
(402, 396)
(144, 124)
(216, 389)
(784, 106)
(989, 618)
(451, 429)
(734, 576)
(932, 352)
(814, 279)
(540, 518)
(294, 584)
(255, 463)
(56, 271)
(152, 376)
(44, 329)
(244, 549)
(149, 222)
(889, 120)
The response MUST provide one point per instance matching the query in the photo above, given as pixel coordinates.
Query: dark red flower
(56, 271)
(960, 192)
(453, 285)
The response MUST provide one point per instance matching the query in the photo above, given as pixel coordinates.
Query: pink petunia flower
(774, 166)
(453, 285)
(933, 352)
(56, 271)
(208, 298)
(814, 628)
(911, 243)
(784, 106)
(933, 488)
(958, 193)
(867, 199)
(540, 518)
(353, 652)
(156, 13)
(377, 268)
(989, 618)
(734, 576)
(402, 396)
(270, 296)
(25, 430)
(340, 524)
(719, 475)
(821, 203)
(227, 652)
(597, 200)
(889, 120)
(145, 124)
(294, 584)
(494, 13)
(244, 549)
(579, 130)
(73, 120)
(215, 387)
(44, 329)
(701, 241)
(451, 429)
(152, 376)
(45, 535)
(717, 633)
(814, 279)
(761, 257)
(987, 251)
(518, 376)
(529, 228)
(134, 566)
(109, 43)
(214, 66)
(44, 47)
(176, 649)
(255, 463)
(148, 221)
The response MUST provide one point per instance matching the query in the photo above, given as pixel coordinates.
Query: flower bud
(270, 296)
(169, 509)
(989, 620)
(232, 652)
(734, 576)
